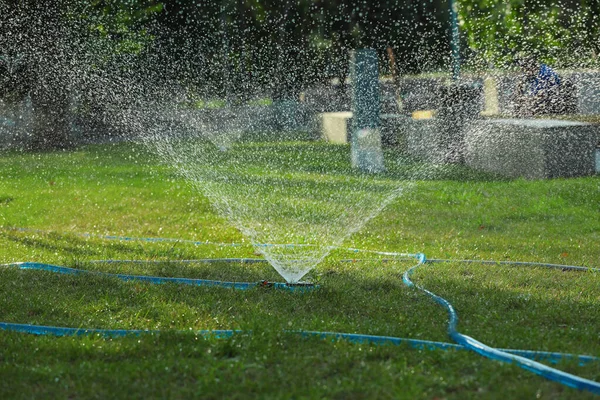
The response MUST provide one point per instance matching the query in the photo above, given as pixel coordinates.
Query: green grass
(447, 213)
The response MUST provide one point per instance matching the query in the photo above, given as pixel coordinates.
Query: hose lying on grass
(523, 358)
(467, 342)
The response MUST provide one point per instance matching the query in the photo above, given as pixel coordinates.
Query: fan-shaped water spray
(293, 209)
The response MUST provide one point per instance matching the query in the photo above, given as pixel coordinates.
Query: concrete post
(366, 134)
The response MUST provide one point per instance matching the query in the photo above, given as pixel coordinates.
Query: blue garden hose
(159, 279)
(59, 331)
(522, 358)
(497, 354)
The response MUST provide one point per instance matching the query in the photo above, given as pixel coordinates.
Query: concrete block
(507, 92)
(531, 148)
(490, 95)
(366, 152)
(587, 92)
(15, 121)
(419, 93)
(423, 138)
(289, 116)
(389, 97)
(393, 132)
(335, 126)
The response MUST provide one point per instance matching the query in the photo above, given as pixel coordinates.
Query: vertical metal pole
(226, 62)
(366, 149)
(455, 40)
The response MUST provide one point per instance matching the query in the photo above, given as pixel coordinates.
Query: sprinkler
(293, 287)
(301, 284)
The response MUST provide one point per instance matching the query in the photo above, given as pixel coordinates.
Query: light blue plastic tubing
(58, 331)
(161, 280)
(522, 358)
(496, 354)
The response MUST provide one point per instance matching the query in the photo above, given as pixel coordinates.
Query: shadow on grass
(77, 247)
(4, 200)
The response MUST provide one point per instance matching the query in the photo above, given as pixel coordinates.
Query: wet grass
(448, 213)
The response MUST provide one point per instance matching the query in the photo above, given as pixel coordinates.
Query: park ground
(455, 213)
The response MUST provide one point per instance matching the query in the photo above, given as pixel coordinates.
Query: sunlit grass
(446, 213)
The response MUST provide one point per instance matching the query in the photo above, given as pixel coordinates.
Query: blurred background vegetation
(50, 50)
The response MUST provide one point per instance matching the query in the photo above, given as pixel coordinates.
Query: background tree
(61, 46)
(563, 33)
(33, 33)
(238, 49)
(281, 46)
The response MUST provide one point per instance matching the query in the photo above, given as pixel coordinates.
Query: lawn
(450, 213)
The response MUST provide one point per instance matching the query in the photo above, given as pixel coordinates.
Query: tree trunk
(50, 94)
(37, 33)
(51, 116)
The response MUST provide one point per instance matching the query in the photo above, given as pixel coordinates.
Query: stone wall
(533, 149)
(423, 138)
(587, 92)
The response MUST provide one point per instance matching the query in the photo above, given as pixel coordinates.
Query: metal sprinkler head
(294, 287)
